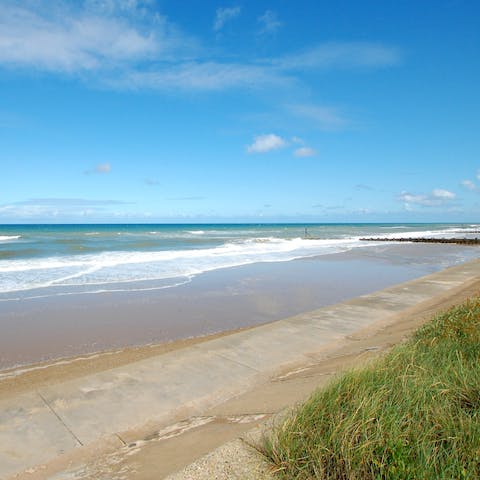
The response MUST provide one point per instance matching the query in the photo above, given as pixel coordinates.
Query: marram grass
(413, 414)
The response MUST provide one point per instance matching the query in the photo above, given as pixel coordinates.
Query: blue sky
(258, 111)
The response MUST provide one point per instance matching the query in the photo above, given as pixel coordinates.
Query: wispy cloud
(325, 118)
(341, 55)
(266, 143)
(443, 194)
(438, 197)
(101, 168)
(224, 15)
(83, 202)
(269, 22)
(304, 152)
(206, 76)
(129, 44)
(67, 40)
(469, 185)
(57, 208)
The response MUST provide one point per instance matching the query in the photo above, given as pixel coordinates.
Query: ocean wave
(185, 253)
(8, 238)
(129, 266)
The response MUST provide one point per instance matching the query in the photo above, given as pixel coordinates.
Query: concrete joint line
(234, 416)
(310, 375)
(237, 362)
(59, 419)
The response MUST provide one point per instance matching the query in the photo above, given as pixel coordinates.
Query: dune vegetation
(414, 413)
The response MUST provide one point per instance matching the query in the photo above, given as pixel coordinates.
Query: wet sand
(141, 323)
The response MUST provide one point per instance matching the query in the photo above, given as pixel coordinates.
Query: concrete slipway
(103, 408)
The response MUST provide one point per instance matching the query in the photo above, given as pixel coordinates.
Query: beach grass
(412, 414)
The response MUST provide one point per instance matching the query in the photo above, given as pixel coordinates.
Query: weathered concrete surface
(200, 382)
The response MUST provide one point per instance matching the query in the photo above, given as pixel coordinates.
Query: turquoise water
(57, 259)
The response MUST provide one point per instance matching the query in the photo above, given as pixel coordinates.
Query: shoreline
(221, 301)
(386, 316)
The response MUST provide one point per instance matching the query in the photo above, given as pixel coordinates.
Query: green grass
(414, 413)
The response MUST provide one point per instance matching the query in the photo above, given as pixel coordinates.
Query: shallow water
(52, 260)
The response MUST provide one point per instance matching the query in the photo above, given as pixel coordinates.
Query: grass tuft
(414, 413)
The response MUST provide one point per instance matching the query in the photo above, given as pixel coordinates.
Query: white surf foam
(7, 238)
(121, 267)
(124, 266)
(446, 232)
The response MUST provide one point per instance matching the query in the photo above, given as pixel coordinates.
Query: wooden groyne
(459, 241)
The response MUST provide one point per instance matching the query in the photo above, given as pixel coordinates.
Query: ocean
(51, 260)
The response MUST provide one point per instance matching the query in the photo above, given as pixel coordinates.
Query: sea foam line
(6, 238)
(188, 279)
(243, 248)
(125, 267)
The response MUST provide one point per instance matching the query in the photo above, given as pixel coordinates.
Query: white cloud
(71, 41)
(478, 174)
(410, 198)
(266, 143)
(270, 22)
(223, 15)
(305, 152)
(443, 194)
(469, 185)
(436, 198)
(326, 118)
